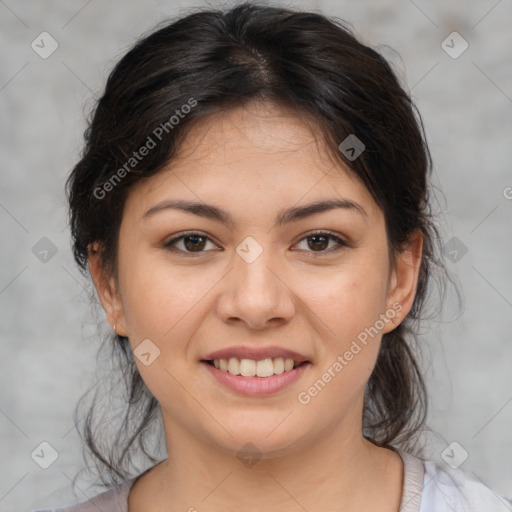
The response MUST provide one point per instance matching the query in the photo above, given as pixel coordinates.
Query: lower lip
(256, 386)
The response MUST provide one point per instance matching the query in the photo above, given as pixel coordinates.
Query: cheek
(156, 300)
(163, 302)
(349, 298)
(163, 305)
(349, 304)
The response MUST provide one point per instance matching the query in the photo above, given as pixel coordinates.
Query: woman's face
(255, 283)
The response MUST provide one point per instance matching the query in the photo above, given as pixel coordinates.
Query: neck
(201, 476)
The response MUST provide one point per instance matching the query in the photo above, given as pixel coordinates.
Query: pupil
(194, 244)
(321, 237)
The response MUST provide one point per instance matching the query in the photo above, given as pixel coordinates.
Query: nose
(256, 294)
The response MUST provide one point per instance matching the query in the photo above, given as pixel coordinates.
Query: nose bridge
(257, 294)
(252, 268)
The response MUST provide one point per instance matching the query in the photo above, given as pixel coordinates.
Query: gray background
(49, 336)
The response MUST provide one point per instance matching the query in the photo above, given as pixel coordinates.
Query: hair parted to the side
(225, 59)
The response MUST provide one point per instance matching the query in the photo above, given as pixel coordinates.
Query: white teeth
(278, 365)
(234, 366)
(247, 367)
(251, 368)
(265, 368)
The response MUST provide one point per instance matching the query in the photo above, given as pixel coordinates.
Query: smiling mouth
(252, 368)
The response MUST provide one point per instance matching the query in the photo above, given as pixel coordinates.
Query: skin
(255, 162)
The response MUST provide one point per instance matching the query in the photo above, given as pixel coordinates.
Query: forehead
(260, 151)
(260, 129)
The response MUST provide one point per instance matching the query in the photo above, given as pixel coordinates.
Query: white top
(427, 487)
(451, 490)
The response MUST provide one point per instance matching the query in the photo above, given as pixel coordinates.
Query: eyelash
(340, 242)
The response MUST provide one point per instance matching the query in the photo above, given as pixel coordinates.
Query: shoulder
(112, 500)
(453, 490)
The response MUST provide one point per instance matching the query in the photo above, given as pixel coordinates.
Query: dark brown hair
(213, 60)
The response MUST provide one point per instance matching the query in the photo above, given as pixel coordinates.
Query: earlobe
(404, 277)
(106, 289)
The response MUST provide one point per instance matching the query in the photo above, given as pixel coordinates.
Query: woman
(252, 204)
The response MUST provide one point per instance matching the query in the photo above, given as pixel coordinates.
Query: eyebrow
(293, 214)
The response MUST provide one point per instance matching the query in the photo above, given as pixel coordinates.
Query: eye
(191, 242)
(319, 241)
(195, 242)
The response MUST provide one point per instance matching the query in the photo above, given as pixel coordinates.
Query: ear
(107, 290)
(403, 280)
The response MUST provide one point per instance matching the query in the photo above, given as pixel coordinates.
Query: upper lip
(256, 353)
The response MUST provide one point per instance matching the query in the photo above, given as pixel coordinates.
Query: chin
(264, 438)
